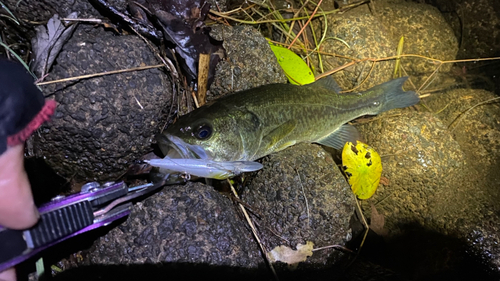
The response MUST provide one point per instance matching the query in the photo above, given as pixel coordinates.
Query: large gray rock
(188, 232)
(102, 123)
(302, 196)
(375, 33)
(477, 130)
(193, 224)
(422, 161)
(190, 223)
(434, 205)
(42, 11)
(425, 32)
(366, 37)
(249, 62)
(475, 24)
(485, 242)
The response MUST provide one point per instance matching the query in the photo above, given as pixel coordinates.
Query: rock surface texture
(302, 196)
(104, 123)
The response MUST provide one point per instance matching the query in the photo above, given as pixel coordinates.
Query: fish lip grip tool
(64, 217)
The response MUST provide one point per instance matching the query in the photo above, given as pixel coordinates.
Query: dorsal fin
(329, 83)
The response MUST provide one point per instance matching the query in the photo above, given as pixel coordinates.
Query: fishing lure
(204, 168)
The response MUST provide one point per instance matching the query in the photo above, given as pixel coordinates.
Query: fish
(251, 124)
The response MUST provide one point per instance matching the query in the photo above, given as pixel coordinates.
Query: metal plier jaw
(64, 217)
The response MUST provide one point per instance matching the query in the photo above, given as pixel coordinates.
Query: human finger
(17, 208)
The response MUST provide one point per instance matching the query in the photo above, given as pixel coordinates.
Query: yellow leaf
(289, 256)
(363, 168)
(295, 68)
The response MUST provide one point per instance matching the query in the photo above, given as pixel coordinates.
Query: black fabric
(20, 99)
(12, 244)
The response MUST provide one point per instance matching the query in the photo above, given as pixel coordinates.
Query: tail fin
(395, 97)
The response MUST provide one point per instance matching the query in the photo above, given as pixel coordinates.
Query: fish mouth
(175, 148)
(183, 159)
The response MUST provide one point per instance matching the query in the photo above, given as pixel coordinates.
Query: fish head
(209, 132)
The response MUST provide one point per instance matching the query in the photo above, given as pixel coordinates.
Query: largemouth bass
(250, 124)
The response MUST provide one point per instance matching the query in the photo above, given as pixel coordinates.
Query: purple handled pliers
(64, 217)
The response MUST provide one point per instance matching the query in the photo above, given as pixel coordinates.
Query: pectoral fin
(337, 139)
(274, 140)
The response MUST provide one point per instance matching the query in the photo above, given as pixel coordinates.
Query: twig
(366, 225)
(254, 232)
(269, 21)
(354, 61)
(195, 99)
(338, 247)
(364, 236)
(308, 21)
(460, 117)
(426, 82)
(100, 74)
(167, 62)
(84, 20)
(203, 66)
(138, 102)
(218, 8)
(277, 235)
(305, 198)
(225, 15)
(383, 199)
(296, 15)
(11, 15)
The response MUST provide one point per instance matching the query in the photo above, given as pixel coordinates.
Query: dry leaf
(290, 256)
(49, 41)
(182, 23)
(377, 222)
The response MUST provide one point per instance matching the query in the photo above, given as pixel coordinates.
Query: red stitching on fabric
(42, 116)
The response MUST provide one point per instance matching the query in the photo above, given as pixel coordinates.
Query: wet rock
(476, 130)
(433, 203)
(42, 11)
(425, 32)
(249, 62)
(102, 123)
(475, 24)
(485, 242)
(195, 224)
(191, 224)
(302, 196)
(375, 33)
(424, 166)
(367, 37)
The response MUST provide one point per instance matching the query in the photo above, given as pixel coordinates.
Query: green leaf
(363, 168)
(295, 68)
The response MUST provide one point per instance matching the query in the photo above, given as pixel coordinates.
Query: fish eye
(203, 132)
